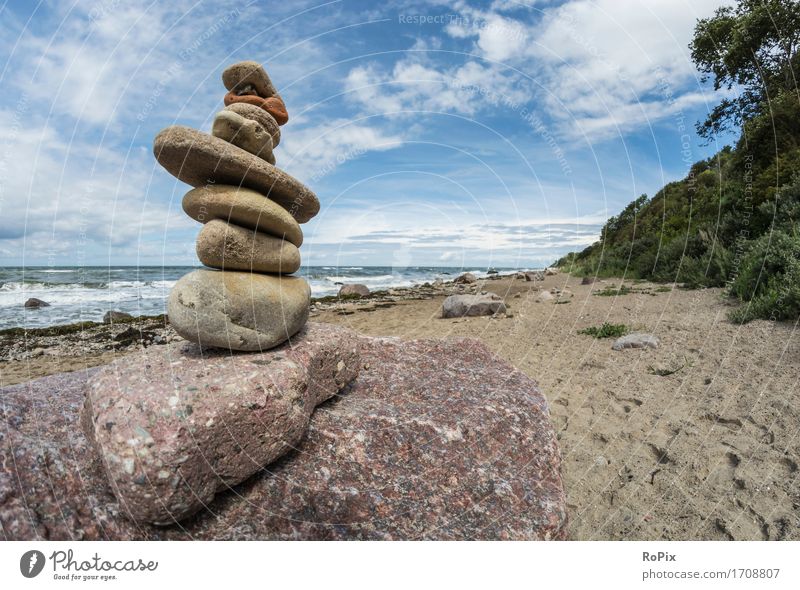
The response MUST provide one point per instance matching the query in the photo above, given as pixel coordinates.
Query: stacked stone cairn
(251, 211)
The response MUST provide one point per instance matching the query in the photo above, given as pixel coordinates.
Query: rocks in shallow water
(34, 303)
(238, 310)
(200, 159)
(244, 133)
(457, 306)
(354, 289)
(230, 247)
(244, 207)
(115, 316)
(433, 440)
(636, 340)
(174, 426)
(466, 278)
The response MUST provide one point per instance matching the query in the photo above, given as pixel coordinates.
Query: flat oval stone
(248, 73)
(238, 310)
(244, 207)
(262, 117)
(244, 133)
(230, 247)
(199, 159)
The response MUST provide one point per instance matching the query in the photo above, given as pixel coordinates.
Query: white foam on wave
(75, 294)
(360, 279)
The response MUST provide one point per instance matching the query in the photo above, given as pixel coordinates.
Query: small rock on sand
(636, 340)
(467, 277)
(534, 276)
(458, 306)
(354, 289)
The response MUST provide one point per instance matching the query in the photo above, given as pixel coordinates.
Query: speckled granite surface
(436, 439)
(175, 425)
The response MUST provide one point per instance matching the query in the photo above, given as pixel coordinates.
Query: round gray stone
(260, 116)
(244, 207)
(238, 310)
(200, 159)
(230, 247)
(244, 133)
(636, 340)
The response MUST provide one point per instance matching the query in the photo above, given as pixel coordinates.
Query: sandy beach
(694, 440)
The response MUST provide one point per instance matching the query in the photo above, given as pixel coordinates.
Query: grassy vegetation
(612, 291)
(732, 222)
(607, 330)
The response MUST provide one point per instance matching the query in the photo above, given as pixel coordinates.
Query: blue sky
(462, 133)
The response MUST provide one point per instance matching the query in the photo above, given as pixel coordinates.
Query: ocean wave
(360, 278)
(83, 294)
(31, 286)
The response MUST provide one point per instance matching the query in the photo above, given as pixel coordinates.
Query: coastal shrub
(613, 291)
(769, 279)
(607, 330)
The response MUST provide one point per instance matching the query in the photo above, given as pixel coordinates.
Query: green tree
(752, 47)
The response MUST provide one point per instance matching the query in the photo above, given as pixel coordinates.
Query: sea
(77, 294)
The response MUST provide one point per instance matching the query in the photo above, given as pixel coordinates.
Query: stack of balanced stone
(251, 211)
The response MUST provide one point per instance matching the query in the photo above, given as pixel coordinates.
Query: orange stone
(274, 105)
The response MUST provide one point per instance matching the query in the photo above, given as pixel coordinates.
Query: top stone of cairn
(247, 82)
(238, 76)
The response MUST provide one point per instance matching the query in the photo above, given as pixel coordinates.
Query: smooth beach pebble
(636, 340)
(244, 207)
(260, 116)
(354, 289)
(238, 310)
(244, 74)
(244, 133)
(199, 159)
(458, 306)
(230, 247)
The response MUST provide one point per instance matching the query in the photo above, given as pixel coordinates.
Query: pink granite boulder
(435, 439)
(176, 425)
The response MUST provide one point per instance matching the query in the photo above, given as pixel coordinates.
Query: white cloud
(311, 152)
(60, 196)
(96, 80)
(414, 86)
(514, 244)
(607, 66)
